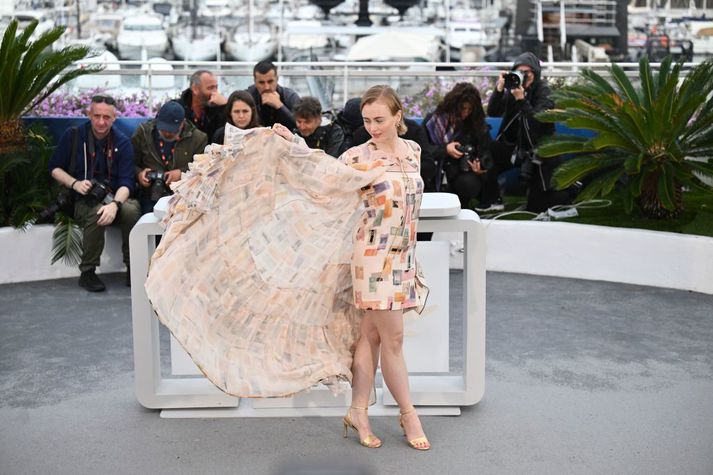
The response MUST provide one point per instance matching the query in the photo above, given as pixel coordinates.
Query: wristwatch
(118, 205)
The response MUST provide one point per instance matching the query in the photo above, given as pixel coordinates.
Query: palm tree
(30, 72)
(650, 141)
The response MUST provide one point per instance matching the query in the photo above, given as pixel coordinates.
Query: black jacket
(479, 139)
(537, 99)
(326, 137)
(214, 119)
(418, 134)
(269, 116)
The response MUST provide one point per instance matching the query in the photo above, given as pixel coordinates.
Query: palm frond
(67, 243)
(624, 84)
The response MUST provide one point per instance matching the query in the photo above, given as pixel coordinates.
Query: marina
(333, 49)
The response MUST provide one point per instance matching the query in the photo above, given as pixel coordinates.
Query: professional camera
(63, 203)
(528, 162)
(158, 185)
(101, 192)
(514, 79)
(468, 151)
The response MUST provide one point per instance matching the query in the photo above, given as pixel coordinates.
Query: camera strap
(108, 153)
(75, 145)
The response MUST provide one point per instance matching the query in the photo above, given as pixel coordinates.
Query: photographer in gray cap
(518, 96)
(163, 148)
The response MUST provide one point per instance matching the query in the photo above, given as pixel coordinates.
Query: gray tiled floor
(582, 377)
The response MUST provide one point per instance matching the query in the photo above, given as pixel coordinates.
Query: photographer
(461, 138)
(308, 117)
(95, 162)
(163, 148)
(520, 94)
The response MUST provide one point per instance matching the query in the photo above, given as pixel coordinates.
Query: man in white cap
(163, 148)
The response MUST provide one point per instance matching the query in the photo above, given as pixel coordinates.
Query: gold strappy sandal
(419, 443)
(370, 441)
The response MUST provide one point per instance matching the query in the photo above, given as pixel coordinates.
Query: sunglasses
(102, 98)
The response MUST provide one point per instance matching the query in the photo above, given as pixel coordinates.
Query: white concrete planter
(579, 251)
(26, 255)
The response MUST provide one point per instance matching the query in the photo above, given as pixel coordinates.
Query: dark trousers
(540, 191)
(85, 212)
(147, 205)
(467, 185)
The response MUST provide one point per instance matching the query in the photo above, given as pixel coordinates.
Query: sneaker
(490, 207)
(89, 281)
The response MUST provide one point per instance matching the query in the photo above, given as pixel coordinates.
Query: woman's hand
(452, 150)
(500, 84)
(283, 132)
(475, 166)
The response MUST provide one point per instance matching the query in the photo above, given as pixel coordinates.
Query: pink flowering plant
(425, 101)
(75, 105)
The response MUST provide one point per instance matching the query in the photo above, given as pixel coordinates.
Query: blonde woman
(282, 268)
(385, 277)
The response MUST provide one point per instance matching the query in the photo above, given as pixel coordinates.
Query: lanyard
(165, 159)
(108, 155)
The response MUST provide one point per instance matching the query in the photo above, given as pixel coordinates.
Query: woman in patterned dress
(384, 274)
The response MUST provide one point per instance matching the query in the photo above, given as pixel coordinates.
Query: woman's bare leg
(390, 327)
(366, 358)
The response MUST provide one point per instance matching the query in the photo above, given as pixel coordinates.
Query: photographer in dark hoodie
(519, 134)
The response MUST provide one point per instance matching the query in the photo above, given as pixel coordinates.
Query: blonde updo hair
(390, 98)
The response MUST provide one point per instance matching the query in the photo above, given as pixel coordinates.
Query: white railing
(348, 78)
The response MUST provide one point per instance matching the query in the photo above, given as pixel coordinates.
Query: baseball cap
(170, 116)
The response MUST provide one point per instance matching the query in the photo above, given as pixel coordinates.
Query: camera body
(528, 161)
(514, 79)
(101, 192)
(158, 184)
(468, 151)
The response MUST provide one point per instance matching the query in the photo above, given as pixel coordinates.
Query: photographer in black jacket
(461, 141)
(520, 94)
(308, 117)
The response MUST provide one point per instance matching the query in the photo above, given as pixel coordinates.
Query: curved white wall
(26, 255)
(580, 251)
(577, 251)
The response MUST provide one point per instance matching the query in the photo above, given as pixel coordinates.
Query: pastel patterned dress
(254, 275)
(384, 269)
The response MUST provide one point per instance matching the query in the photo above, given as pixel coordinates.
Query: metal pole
(346, 83)
(448, 32)
(280, 29)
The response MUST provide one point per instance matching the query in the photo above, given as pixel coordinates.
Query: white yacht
(252, 41)
(395, 46)
(158, 82)
(196, 41)
(142, 36)
(106, 82)
(303, 35)
(702, 38)
(214, 9)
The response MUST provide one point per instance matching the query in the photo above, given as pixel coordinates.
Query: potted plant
(652, 139)
(30, 72)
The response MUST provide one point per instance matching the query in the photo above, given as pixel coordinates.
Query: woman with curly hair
(462, 141)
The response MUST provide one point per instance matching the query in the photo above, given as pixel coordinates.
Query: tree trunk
(12, 136)
(650, 204)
